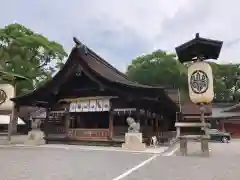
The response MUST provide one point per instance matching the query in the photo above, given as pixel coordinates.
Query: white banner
(99, 105)
(79, 107)
(90, 106)
(106, 104)
(93, 104)
(85, 106)
(72, 107)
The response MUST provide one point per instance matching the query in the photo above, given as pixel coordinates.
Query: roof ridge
(82, 45)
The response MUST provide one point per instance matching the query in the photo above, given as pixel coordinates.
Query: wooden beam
(191, 124)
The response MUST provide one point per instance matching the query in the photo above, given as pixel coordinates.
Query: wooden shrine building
(89, 100)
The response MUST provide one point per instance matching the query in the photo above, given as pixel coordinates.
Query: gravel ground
(27, 163)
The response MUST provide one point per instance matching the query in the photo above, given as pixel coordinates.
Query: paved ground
(224, 164)
(16, 139)
(27, 163)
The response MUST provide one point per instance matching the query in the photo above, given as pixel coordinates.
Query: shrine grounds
(65, 162)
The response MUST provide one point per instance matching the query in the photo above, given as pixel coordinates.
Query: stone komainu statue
(134, 126)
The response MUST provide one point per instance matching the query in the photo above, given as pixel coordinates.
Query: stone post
(204, 146)
(183, 146)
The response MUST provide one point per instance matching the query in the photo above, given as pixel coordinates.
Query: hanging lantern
(6, 93)
(200, 82)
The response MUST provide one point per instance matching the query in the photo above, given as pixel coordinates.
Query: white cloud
(121, 30)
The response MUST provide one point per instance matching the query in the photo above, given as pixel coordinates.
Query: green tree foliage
(226, 81)
(29, 54)
(159, 69)
(162, 69)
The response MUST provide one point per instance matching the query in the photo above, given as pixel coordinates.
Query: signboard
(90, 105)
(200, 82)
(41, 114)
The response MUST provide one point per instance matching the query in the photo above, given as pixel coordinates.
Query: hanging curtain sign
(79, 107)
(72, 107)
(90, 105)
(105, 104)
(93, 104)
(99, 105)
(200, 82)
(85, 106)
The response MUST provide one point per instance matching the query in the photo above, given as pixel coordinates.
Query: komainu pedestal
(35, 136)
(133, 141)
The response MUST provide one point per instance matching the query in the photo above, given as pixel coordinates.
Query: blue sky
(121, 30)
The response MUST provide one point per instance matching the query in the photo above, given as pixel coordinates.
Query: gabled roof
(98, 70)
(105, 70)
(208, 48)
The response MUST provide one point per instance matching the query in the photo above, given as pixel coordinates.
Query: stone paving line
(150, 150)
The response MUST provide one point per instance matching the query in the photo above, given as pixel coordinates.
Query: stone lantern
(200, 80)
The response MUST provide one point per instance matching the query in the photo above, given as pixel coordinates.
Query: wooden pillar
(153, 127)
(156, 126)
(111, 127)
(137, 115)
(79, 122)
(145, 121)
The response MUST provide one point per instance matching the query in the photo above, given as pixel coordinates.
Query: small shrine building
(89, 100)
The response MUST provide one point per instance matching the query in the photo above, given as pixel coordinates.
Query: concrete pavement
(75, 163)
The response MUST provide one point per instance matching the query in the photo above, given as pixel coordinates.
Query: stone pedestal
(35, 137)
(133, 141)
